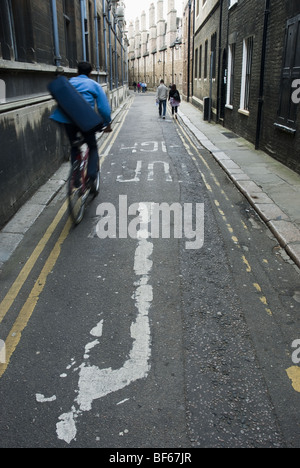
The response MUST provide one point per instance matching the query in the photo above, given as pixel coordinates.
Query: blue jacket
(92, 93)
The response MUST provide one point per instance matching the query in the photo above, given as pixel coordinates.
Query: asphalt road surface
(164, 320)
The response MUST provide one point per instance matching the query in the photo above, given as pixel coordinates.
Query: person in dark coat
(174, 98)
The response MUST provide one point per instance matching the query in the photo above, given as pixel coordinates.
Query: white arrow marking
(95, 383)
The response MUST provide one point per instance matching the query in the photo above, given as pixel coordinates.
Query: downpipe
(55, 35)
(262, 74)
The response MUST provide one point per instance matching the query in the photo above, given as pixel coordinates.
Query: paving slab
(24, 219)
(8, 243)
(294, 252)
(270, 211)
(286, 232)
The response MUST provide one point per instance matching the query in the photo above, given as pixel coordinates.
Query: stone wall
(31, 151)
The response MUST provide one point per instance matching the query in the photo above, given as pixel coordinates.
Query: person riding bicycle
(93, 93)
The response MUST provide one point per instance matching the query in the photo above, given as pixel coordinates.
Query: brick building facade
(39, 39)
(246, 57)
(155, 48)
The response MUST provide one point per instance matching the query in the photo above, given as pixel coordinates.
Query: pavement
(272, 189)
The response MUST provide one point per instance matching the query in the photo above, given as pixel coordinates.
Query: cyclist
(92, 93)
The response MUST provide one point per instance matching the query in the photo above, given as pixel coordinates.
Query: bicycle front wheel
(75, 192)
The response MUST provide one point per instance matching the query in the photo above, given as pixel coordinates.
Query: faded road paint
(95, 383)
(294, 374)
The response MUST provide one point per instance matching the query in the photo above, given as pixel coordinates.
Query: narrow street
(115, 340)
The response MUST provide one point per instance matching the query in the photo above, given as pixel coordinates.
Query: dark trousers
(90, 140)
(162, 107)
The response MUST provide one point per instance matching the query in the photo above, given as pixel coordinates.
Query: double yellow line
(25, 313)
(14, 335)
(235, 240)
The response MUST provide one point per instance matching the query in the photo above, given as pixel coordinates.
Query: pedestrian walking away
(93, 93)
(174, 98)
(161, 98)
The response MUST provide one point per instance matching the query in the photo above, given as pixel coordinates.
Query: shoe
(96, 185)
(164, 117)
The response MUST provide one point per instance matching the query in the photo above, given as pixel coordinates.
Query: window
(290, 72)
(196, 63)
(214, 54)
(200, 62)
(246, 73)
(205, 59)
(70, 33)
(230, 80)
(100, 43)
(16, 36)
(7, 32)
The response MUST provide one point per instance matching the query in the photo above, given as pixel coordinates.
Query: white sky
(134, 8)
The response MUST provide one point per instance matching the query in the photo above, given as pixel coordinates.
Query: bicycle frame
(78, 188)
(78, 191)
(82, 161)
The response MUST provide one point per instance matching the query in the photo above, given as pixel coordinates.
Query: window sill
(244, 112)
(229, 106)
(18, 104)
(284, 128)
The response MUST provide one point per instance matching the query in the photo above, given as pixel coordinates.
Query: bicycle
(79, 187)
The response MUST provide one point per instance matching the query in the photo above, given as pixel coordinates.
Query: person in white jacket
(161, 98)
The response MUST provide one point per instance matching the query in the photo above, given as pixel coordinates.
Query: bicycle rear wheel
(75, 194)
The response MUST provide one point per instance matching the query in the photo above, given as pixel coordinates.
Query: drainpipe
(122, 58)
(193, 46)
(110, 49)
(83, 31)
(105, 34)
(189, 52)
(56, 35)
(97, 41)
(116, 50)
(262, 74)
(219, 63)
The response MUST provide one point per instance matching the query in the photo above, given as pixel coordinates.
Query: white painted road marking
(151, 147)
(150, 169)
(95, 383)
(136, 178)
(166, 170)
